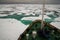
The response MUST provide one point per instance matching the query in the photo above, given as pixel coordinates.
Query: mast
(43, 9)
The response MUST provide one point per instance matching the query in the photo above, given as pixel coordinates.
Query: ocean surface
(15, 18)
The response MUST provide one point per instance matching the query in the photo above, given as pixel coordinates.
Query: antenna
(43, 9)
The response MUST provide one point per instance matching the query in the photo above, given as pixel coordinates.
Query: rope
(43, 9)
